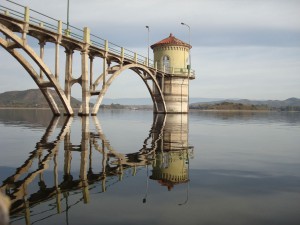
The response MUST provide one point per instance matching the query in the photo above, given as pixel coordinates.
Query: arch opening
(146, 76)
(14, 45)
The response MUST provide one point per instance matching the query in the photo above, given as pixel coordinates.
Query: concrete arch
(20, 43)
(157, 98)
(34, 75)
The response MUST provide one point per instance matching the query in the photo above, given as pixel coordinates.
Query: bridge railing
(176, 71)
(33, 17)
(15, 12)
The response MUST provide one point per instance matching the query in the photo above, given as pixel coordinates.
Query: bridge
(168, 85)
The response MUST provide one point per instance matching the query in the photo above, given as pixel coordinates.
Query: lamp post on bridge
(68, 14)
(190, 60)
(190, 64)
(148, 41)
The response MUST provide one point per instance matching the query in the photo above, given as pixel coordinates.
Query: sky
(241, 48)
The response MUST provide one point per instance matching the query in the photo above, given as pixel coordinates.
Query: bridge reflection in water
(165, 150)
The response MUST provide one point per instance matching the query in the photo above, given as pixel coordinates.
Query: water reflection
(165, 152)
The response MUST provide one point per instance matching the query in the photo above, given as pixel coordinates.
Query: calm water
(128, 167)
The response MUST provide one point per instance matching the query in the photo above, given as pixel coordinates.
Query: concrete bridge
(166, 78)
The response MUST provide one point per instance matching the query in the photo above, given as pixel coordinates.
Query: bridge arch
(14, 41)
(145, 74)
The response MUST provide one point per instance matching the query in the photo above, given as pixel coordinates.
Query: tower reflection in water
(165, 150)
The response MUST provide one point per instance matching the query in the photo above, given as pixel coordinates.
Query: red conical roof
(171, 41)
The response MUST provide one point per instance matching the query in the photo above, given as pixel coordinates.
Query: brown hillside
(32, 98)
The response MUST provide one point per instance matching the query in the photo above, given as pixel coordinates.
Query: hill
(290, 104)
(147, 101)
(32, 98)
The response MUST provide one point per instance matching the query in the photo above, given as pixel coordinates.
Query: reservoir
(132, 167)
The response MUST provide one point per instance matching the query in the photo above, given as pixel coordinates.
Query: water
(128, 167)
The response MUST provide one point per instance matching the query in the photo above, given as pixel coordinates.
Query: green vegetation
(239, 106)
(228, 106)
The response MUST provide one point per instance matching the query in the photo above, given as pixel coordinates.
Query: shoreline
(146, 109)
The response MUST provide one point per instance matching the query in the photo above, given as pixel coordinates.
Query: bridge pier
(68, 73)
(85, 84)
(42, 53)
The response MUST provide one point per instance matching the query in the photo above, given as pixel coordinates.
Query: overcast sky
(241, 48)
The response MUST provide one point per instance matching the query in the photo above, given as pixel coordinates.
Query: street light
(190, 60)
(68, 23)
(148, 42)
(190, 63)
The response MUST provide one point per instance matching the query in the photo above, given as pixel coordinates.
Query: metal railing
(36, 18)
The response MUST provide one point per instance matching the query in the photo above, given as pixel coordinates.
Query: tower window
(166, 62)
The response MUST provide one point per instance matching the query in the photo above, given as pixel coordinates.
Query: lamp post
(68, 14)
(190, 60)
(148, 42)
(190, 63)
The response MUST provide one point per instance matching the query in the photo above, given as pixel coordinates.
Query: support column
(42, 52)
(91, 71)
(56, 60)
(58, 41)
(68, 73)
(85, 74)
(104, 72)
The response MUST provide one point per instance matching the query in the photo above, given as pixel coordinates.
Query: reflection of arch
(17, 42)
(16, 185)
(20, 186)
(139, 158)
(145, 74)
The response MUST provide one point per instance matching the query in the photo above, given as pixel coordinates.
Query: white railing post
(86, 35)
(135, 57)
(122, 52)
(27, 14)
(106, 45)
(59, 27)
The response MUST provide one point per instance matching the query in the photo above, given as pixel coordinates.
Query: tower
(171, 55)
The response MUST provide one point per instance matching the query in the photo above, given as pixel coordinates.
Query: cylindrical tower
(171, 55)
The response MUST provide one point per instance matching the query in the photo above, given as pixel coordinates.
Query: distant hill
(284, 105)
(148, 101)
(32, 98)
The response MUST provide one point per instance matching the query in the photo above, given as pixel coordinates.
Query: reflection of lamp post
(145, 198)
(148, 42)
(188, 181)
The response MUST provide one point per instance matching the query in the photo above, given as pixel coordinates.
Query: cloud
(213, 22)
(241, 48)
